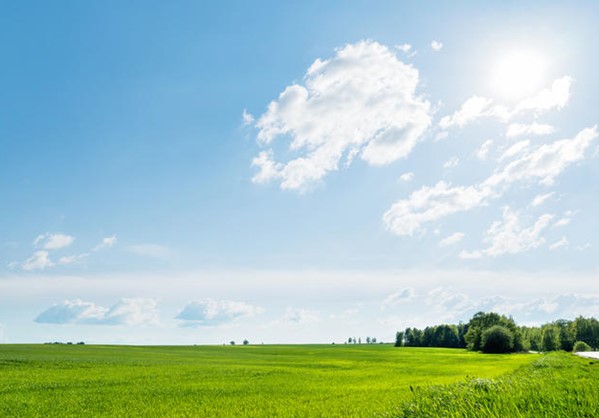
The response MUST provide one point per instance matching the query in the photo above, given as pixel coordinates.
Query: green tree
(497, 339)
(550, 338)
(399, 339)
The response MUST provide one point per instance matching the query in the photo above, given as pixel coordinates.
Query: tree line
(492, 332)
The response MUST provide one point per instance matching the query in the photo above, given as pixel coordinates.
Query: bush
(497, 339)
(581, 346)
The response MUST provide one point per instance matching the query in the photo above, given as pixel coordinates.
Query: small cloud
(134, 311)
(214, 313)
(300, 316)
(72, 259)
(540, 199)
(151, 250)
(470, 255)
(517, 148)
(452, 239)
(559, 244)
(247, 118)
(53, 241)
(518, 129)
(40, 260)
(407, 177)
(405, 48)
(403, 295)
(436, 46)
(483, 151)
(562, 222)
(451, 163)
(106, 243)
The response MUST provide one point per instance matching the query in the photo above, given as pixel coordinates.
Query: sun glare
(517, 74)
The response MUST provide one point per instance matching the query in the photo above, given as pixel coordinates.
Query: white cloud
(477, 107)
(107, 242)
(452, 239)
(547, 161)
(215, 312)
(71, 259)
(470, 255)
(247, 118)
(483, 151)
(407, 176)
(403, 295)
(519, 129)
(555, 97)
(515, 149)
(540, 199)
(150, 250)
(360, 102)
(300, 316)
(562, 222)
(543, 163)
(53, 241)
(135, 311)
(38, 261)
(509, 237)
(472, 109)
(436, 46)
(405, 48)
(427, 204)
(451, 163)
(563, 242)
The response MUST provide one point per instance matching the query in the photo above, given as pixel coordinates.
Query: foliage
(543, 389)
(255, 380)
(581, 346)
(497, 339)
(557, 335)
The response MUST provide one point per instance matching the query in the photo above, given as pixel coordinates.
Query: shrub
(497, 339)
(581, 346)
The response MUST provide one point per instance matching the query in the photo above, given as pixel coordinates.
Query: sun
(517, 74)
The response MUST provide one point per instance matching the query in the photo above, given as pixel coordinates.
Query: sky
(201, 172)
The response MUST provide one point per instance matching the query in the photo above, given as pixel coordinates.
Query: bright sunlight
(518, 73)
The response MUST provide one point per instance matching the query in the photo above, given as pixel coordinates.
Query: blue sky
(197, 173)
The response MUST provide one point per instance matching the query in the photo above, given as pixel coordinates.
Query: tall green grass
(259, 381)
(558, 384)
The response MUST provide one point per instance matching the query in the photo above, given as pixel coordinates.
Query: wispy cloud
(53, 241)
(40, 260)
(107, 242)
(151, 250)
(436, 46)
(452, 239)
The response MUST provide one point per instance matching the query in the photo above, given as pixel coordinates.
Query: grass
(556, 385)
(290, 381)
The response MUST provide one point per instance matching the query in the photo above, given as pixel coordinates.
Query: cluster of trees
(354, 340)
(494, 333)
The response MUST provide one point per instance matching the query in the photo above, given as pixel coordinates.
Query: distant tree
(587, 330)
(367, 340)
(359, 340)
(398, 339)
(567, 334)
(497, 339)
(349, 340)
(245, 342)
(232, 342)
(482, 321)
(581, 346)
(550, 338)
(373, 340)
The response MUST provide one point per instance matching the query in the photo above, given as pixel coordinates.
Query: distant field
(266, 381)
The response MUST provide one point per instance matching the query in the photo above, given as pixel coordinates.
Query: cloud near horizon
(127, 311)
(211, 312)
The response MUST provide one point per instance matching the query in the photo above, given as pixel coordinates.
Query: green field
(300, 380)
